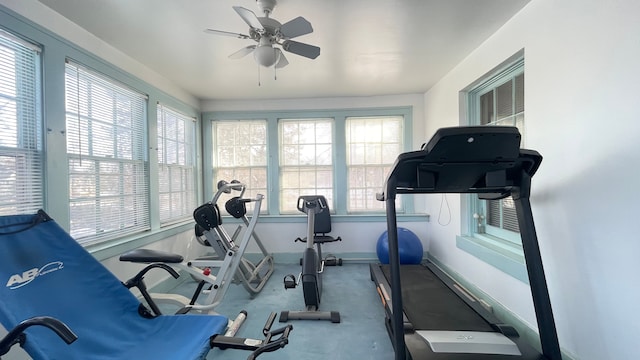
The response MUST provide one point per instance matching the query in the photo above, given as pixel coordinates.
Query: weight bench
(49, 279)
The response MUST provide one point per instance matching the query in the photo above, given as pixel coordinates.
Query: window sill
(356, 218)
(503, 255)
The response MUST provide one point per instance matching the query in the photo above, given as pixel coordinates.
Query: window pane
(509, 216)
(519, 93)
(486, 108)
(493, 213)
(177, 165)
(306, 160)
(240, 153)
(373, 143)
(504, 100)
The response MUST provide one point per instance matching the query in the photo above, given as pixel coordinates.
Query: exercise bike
(312, 267)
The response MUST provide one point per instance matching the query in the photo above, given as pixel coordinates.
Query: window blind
(177, 165)
(107, 157)
(21, 152)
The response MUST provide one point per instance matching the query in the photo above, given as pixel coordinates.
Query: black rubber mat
(431, 305)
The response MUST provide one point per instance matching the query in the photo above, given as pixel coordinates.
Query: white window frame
(177, 170)
(480, 208)
(252, 173)
(21, 140)
(369, 160)
(107, 157)
(339, 202)
(497, 246)
(309, 162)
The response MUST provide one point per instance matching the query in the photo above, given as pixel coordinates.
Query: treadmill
(428, 315)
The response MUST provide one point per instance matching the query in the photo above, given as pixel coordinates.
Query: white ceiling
(369, 47)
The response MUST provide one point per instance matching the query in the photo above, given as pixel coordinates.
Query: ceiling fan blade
(242, 52)
(226, 33)
(250, 18)
(282, 60)
(301, 49)
(296, 27)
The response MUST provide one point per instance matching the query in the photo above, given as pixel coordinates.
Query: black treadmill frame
(486, 160)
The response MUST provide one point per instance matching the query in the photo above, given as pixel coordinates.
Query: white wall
(581, 95)
(414, 100)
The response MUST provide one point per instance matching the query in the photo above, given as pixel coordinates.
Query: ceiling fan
(267, 32)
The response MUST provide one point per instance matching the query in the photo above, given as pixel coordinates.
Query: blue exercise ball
(409, 247)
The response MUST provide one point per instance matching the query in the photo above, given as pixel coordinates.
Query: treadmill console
(471, 159)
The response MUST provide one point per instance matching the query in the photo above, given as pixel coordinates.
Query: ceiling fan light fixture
(265, 55)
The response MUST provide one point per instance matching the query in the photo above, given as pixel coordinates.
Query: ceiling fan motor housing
(270, 26)
(266, 6)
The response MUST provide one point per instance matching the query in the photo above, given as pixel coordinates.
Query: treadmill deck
(433, 316)
(445, 310)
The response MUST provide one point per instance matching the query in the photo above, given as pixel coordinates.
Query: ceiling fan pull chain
(259, 76)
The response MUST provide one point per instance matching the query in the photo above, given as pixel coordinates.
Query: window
(240, 153)
(21, 155)
(177, 165)
(344, 155)
(500, 102)
(373, 143)
(493, 234)
(306, 161)
(107, 157)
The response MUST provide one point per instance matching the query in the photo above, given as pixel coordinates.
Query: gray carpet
(361, 334)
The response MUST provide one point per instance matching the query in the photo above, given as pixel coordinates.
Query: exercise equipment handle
(138, 282)
(268, 324)
(226, 187)
(270, 345)
(16, 335)
(308, 202)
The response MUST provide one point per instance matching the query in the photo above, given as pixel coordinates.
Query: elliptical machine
(312, 268)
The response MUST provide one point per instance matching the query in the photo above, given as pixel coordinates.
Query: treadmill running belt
(430, 305)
